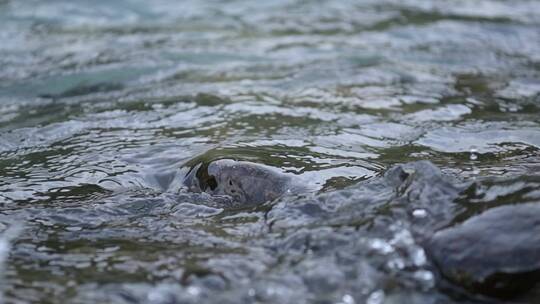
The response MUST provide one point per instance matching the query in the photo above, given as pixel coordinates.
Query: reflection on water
(105, 106)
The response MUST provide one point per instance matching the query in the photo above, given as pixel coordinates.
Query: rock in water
(496, 253)
(247, 183)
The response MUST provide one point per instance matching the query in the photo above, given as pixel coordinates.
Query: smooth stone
(246, 182)
(496, 253)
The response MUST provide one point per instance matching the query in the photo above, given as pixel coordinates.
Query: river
(105, 106)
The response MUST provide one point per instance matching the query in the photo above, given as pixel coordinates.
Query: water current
(405, 123)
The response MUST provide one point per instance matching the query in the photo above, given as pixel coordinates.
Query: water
(106, 105)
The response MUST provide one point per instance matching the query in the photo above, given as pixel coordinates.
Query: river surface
(105, 106)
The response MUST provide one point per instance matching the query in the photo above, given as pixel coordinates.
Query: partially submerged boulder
(496, 253)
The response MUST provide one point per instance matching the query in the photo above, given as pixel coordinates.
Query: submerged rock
(496, 253)
(85, 89)
(246, 182)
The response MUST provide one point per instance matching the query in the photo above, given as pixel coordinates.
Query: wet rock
(398, 195)
(496, 253)
(247, 183)
(422, 186)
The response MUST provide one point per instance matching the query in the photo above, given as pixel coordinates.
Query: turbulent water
(408, 120)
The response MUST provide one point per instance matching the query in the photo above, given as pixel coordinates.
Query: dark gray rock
(496, 253)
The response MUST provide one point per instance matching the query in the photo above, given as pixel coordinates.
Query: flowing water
(105, 106)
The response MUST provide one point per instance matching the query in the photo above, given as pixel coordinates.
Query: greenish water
(106, 105)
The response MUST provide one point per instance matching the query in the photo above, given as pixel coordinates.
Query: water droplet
(419, 213)
(474, 153)
(251, 292)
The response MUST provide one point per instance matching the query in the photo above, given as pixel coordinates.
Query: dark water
(106, 105)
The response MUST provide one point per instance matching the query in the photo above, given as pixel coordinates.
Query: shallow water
(106, 105)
